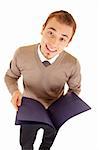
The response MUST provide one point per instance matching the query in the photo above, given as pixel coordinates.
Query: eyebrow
(55, 31)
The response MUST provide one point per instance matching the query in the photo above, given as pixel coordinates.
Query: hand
(16, 99)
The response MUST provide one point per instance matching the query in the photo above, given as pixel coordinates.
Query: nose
(55, 42)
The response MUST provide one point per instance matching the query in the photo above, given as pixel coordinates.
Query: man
(45, 83)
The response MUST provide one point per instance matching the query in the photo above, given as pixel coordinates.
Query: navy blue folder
(56, 115)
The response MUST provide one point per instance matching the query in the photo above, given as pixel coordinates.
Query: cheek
(65, 44)
(62, 46)
(45, 39)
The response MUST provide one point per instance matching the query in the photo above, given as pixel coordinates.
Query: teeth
(51, 49)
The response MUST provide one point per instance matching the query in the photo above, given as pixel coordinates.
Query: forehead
(60, 28)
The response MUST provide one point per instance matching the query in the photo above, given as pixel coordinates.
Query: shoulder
(71, 62)
(27, 48)
(69, 58)
(25, 51)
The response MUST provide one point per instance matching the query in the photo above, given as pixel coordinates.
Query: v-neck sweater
(44, 84)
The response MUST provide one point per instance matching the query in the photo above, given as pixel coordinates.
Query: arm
(13, 73)
(74, 81)
(11, 79)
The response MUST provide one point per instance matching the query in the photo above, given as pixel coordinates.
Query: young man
(45, 83)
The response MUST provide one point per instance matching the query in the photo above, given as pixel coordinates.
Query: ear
(67, 44)
(43, 27)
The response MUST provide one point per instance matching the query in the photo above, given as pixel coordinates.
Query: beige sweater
(44, 84)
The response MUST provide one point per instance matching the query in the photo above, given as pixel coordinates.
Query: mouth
(50, 49)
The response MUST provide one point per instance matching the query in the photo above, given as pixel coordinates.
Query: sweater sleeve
(13, 73)
(74, 81)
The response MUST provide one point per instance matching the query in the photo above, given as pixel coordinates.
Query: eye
(50, 32)
(62, 39)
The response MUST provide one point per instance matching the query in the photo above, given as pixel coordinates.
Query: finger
(14, 104)
(16, 107)
(19, 100)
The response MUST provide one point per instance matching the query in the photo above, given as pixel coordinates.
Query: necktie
(46, 63)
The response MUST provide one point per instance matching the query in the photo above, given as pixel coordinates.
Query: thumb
(19, 101)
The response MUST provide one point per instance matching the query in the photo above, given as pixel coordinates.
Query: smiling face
(55, 37)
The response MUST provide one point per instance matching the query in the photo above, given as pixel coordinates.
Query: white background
(20, 24)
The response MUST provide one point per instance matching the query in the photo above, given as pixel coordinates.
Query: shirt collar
(43, 58)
